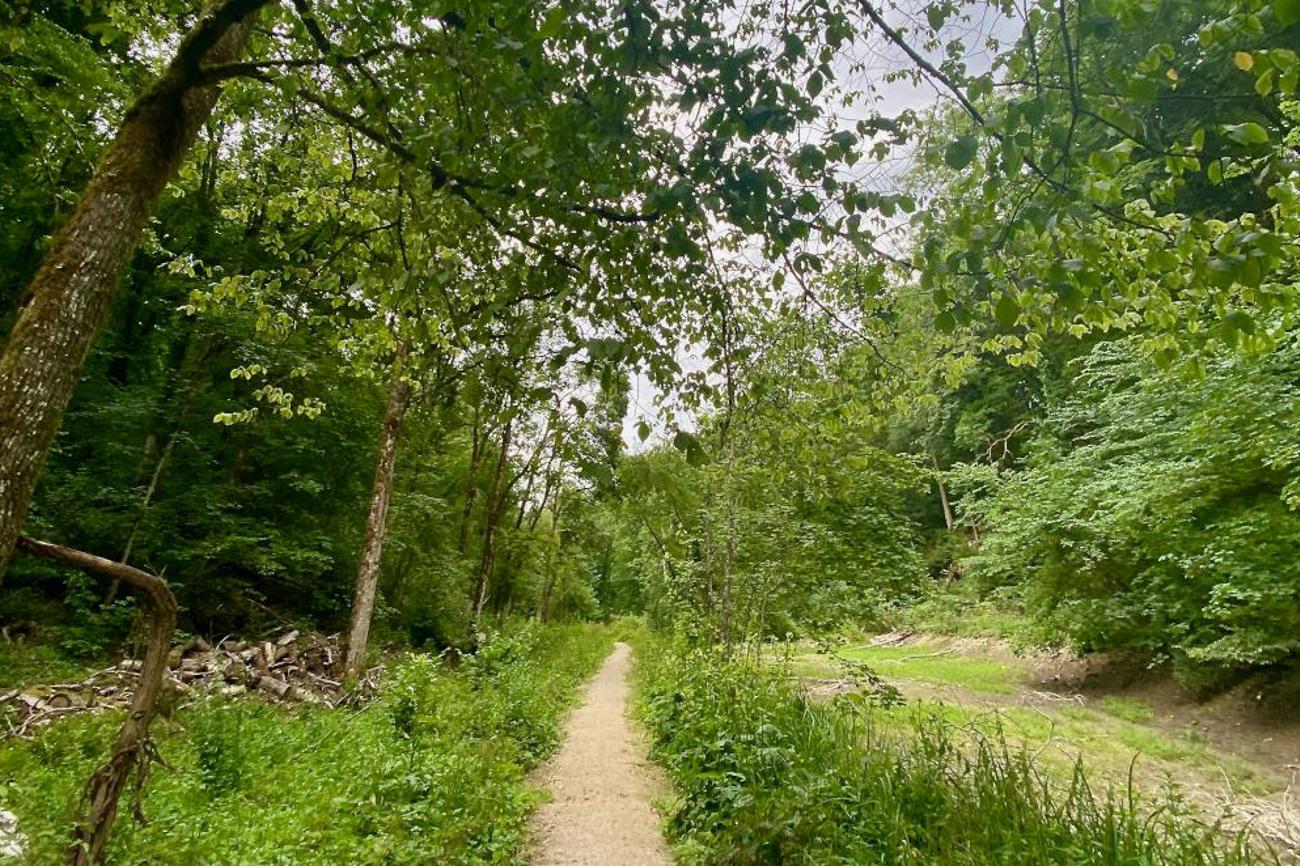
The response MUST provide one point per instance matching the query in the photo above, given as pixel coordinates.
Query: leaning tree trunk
(69, 296)
(948, 520)
(132, 750)
(156, 476)
(363, 597)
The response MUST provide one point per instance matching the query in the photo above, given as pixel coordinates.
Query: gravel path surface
(601, 784)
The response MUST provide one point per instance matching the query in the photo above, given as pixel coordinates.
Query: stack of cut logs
(288, 667)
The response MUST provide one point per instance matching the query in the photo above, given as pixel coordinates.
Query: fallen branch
(131, 750)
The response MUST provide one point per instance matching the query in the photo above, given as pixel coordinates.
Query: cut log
(279, 688)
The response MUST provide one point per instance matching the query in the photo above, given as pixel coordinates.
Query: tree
(68, 298)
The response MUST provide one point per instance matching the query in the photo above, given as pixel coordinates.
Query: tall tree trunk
(948, 520)
(534, 462)
(471, 483)
(69, 297)
(550, 477)
(729, 551)
(492, 516)
(132, 750)
(552, 557)
(372, 549)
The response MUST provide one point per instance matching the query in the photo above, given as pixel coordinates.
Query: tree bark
(550, 477)
(68, 298)
(363, 598)
(132, 750)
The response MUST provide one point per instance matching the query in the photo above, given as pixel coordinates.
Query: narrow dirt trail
(601, 784)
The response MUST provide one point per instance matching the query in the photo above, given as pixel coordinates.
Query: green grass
(917, 662)
(1128, 709)
(431, 772)
(1109, 733)
(1060, 736)
(764, 776)
(24, 664)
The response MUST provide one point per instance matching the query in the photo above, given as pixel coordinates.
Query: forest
(739, 432)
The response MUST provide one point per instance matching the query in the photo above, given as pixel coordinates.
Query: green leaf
(642, 430)
(1007, 311)
(961, 151)
(1246, 133)
(690, 446)
(1264, 84)
(1287, 12)
(946, 322)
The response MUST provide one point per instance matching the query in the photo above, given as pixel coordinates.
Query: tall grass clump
(766, 776)
(431, 772)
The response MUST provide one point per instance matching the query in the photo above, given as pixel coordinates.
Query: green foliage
(964, 609)
(1156, 511)
(431, 772)
(767, 777)
(25, 663)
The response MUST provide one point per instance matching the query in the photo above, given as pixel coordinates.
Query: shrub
(1157, 511)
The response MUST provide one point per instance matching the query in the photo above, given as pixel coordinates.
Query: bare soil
(601, 785)
(1256, 719)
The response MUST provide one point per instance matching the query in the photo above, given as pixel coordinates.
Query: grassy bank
(767, 777)
(432, 772)
(978, 685)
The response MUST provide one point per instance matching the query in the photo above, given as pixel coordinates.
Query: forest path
(601, 784)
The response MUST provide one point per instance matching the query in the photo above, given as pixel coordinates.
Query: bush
(1157, 511)
(767, 777)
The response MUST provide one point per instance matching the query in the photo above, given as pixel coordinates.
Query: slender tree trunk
(948, 520)
(706, 561)
(163, 458)
(372, 549)
(132, 749)
(729, 550)
(522, 511)
(552, 555)
(534, 463)
(471, 483)
(68, 298)
(492, 516)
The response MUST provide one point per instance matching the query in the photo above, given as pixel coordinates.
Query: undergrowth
(432, 772)
(768, 777)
